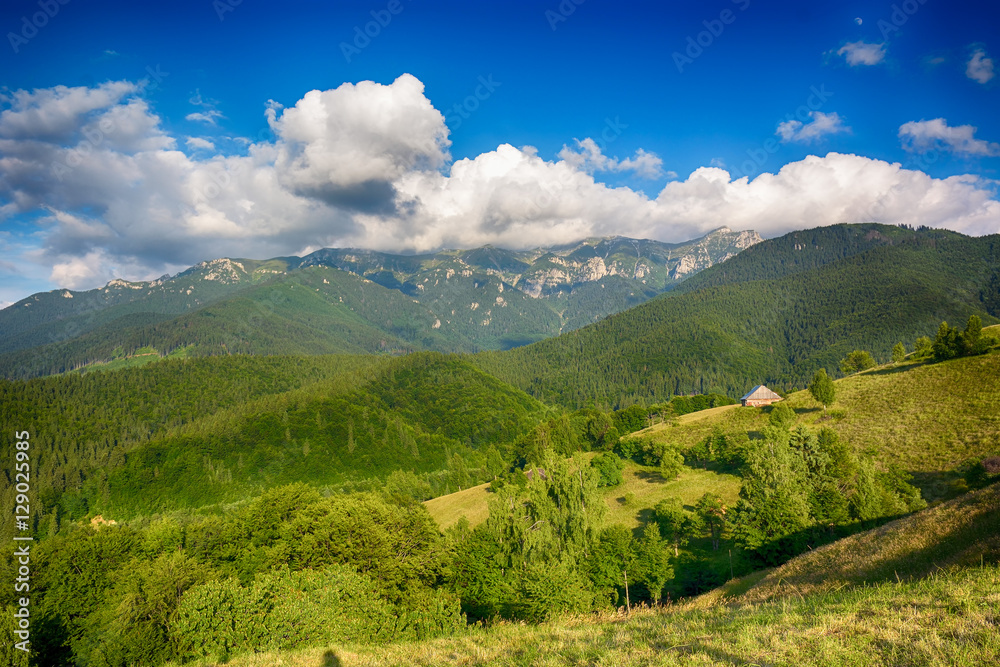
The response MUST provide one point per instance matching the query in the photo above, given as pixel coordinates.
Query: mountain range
(354, 301)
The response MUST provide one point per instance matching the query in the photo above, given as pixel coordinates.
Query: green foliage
(950, 342)
(671, 463)
(857, 361)
(282, 609)
(823, 389)
(609, 562)
(630, 419)
(923, 348)
(676, 524)
(781, 416)
(898, 353)
(290, 568)
(947, 343)
(712, 511)
(609, 466)
(533, 538)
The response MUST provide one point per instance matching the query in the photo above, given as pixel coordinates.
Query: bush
(281, 610)
(857, 361)
(609, 466)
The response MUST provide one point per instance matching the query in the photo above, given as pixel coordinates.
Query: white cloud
(980, 67)
(862, 53)
(820, 125)
(590, 158)
(209, 116)
(926, 135)
(54, 114)
(349, 145)
(197, 143)
(368, 165)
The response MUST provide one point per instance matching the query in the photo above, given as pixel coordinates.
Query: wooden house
(760, 395)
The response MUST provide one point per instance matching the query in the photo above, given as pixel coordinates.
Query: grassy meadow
(630, 503)
(928, 418)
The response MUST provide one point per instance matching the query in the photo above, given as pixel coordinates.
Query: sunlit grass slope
(959, 533)
(925, 417)
(947, 619)
(630, 503)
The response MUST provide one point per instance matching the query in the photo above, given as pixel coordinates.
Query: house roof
(760, 392)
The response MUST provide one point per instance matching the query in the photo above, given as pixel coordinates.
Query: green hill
(963, 532)
(928, 418)
(193, 432)
(770, 315)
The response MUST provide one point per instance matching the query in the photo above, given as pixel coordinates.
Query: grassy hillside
(774, 316)
(629, 504)
(962, 532)
(947, 619)
(928, 418)
(921, 590)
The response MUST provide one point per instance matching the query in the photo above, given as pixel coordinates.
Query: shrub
(609, 466)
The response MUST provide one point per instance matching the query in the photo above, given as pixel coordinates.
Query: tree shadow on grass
(650, 477)
(330, 659)
(892, 370)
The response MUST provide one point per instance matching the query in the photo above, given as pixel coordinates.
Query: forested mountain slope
(186, 433)
(771, 315)
(364, 301)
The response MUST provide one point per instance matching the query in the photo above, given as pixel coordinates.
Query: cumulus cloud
(348, 146)
(862, 53)
(980, 67)
(926, 135)
(589, 157)
(819, 125)
(368, 165)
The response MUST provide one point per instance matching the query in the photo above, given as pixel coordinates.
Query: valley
(376, 495)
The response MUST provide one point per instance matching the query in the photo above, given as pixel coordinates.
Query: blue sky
(839, 112)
